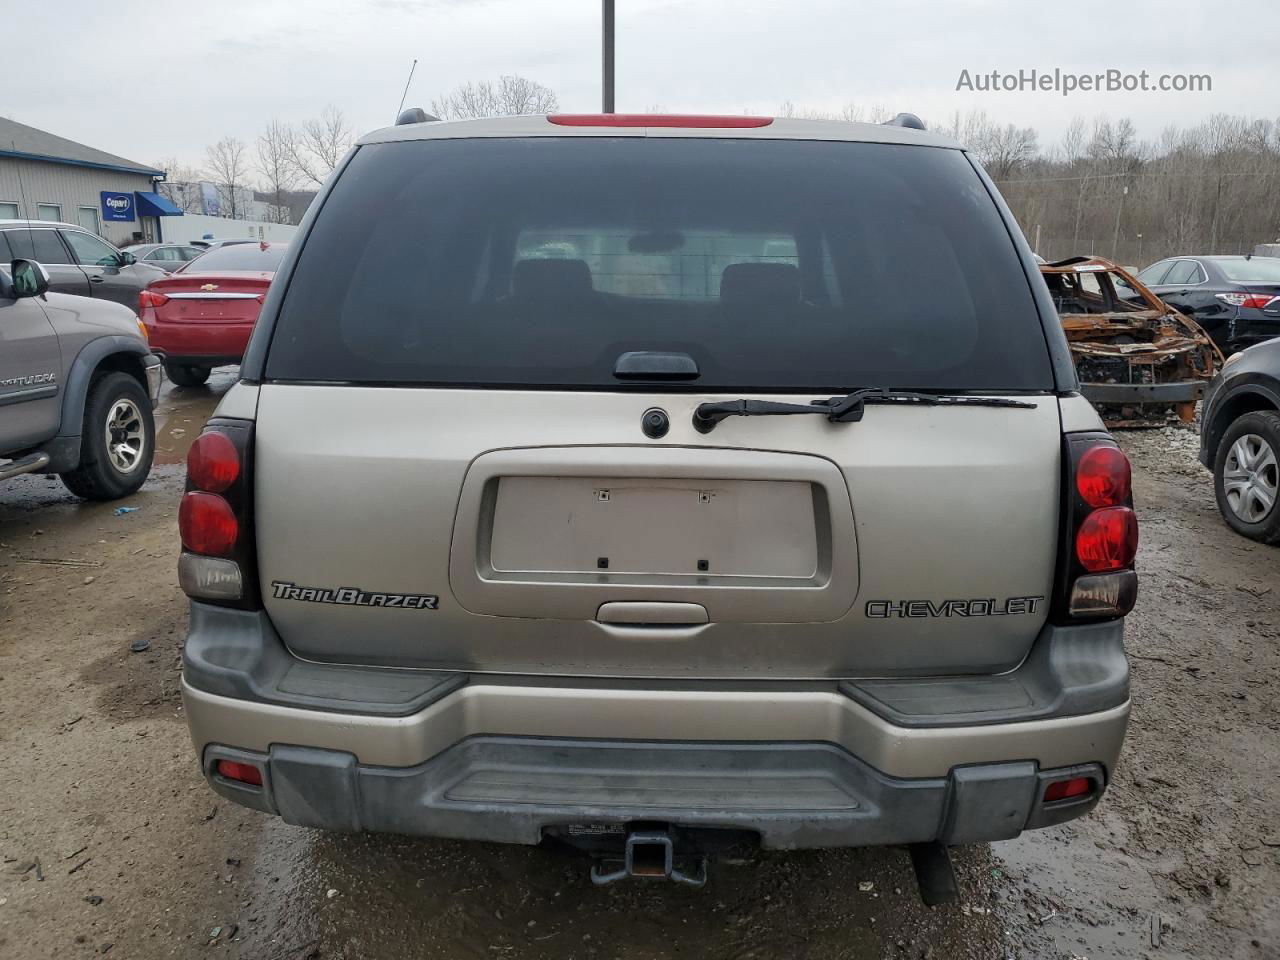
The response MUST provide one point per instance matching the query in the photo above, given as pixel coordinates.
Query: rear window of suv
(775, 264)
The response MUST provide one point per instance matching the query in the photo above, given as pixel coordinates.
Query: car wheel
(185, 375)
(1245, 476)
(117, 441)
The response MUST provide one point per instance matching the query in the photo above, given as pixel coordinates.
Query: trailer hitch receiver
(651, 855)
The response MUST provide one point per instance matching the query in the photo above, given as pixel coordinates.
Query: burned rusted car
(1140, 362)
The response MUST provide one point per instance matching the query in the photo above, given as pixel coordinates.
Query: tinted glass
(90, 250)
(1155, 273)
(248, 256)
(1184, 271)
(6, 257)
(774, 264)
(1253, 270)
(40, 245)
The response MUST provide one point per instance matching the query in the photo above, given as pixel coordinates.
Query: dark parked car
(1240, 440)
(167, 256)
(77, 261)
(1235, 299)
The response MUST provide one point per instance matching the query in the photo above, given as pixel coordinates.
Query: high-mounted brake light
(699, 121)
(151, 298)
(213, 462)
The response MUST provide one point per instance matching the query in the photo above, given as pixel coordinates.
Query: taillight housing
(151, 298)
(1095, 578)
(215, 517)
(1256, 301)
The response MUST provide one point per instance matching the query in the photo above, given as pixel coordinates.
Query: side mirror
(127, 259)
(30, 279)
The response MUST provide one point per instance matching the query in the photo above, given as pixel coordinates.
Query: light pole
(607, 44)
(1115, 240)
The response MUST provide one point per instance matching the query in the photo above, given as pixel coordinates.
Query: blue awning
(154, 205)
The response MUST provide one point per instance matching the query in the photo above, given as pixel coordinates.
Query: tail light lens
(1256, 301)
(215, 517)
(151, 298)
(207, 524)
(1095, 578)
(1107, 540)
(213, 462)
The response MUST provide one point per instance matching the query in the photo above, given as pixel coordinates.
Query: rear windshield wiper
(846, 409)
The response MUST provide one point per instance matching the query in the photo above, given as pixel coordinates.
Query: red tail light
(656, 120)
(213, 463)
(215, 517)
(1095, 578)
(207, 524)
(1103, 477)
(1255, 300)
(242, 772)
(1062, 790)
(1107, 540)
(151, 298)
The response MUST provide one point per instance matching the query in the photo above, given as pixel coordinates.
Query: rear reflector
(207, 524)
(213, 463)
(1064, 789)
(209, 578)
(240, 772)
(656, 120)
(1108, 540)
(1103, 477)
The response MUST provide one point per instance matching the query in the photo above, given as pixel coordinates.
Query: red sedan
(200, 316)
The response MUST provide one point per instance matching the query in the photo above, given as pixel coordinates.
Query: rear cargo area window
(775, 264)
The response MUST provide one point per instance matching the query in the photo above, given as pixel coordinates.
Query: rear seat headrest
(551, 279)
(756, 284)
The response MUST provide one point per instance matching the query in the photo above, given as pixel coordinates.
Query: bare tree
(229, 171)
(181, 185)
(276, 147)
(321, 144)
(510, 96)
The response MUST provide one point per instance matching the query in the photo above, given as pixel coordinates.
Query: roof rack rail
(909, 120)
(415, 115)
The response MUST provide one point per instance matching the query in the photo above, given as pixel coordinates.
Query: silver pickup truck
(78, 384)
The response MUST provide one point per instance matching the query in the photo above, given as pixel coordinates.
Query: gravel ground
(110, 842)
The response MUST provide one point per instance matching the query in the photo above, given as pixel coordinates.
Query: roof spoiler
(908, 120)
(415, 115)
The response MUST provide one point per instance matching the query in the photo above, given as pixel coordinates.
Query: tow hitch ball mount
(651, 854)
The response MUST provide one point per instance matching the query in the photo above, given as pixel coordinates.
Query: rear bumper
(1182, 391)
(803, 764)
(199, 340)
(515, 790)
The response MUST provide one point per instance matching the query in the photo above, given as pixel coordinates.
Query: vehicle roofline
(780, 128)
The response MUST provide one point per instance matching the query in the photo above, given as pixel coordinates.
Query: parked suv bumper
(506, 758)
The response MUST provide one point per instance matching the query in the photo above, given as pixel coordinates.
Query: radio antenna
(413, 67)
(22, 190)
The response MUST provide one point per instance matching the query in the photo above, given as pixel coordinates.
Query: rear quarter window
(775, 264)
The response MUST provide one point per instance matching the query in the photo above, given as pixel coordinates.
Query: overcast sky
(150, 81)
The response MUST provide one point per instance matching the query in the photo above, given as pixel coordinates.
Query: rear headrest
(760, 284)
(551, 280)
